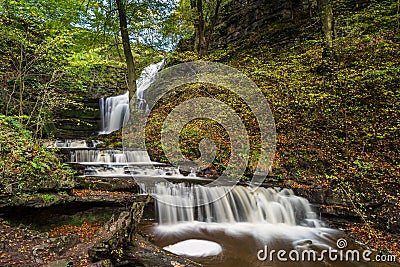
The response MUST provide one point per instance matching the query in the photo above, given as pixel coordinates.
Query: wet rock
(39, 248)
(99, 252)
(61, 244)
(77, 123)
(149, 255)
(117, 235)
(36, 200)
(39, 235)
(108, 184)
(243, 17)
(39, 261)
(303, 242)
(328, 202)
(339, 211)
(60, 263)
(103, 263)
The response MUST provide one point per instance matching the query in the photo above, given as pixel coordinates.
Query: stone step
(115, 164)
(177, 179)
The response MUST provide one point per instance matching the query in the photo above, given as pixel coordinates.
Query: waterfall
(179, 203)
(145, 80)
(114, 111)
(111, 162)
(108, 156)
(235, 226)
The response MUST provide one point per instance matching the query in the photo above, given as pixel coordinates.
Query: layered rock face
(78, 123)
(239, 18)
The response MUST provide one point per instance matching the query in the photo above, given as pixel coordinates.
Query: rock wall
(79, 121)
(239, 18)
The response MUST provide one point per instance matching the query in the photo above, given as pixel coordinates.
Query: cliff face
(78, 122)
(238, 18)
(241, 17)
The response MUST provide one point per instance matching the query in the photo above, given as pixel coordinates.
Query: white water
(73, 143)
(145, 80)
(114, 111)
(108, 156)
(239, 204)
(120, 163)
(112, 162)
(195, 248)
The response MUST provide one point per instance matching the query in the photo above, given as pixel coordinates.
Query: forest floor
(21, 246)
(370, 237)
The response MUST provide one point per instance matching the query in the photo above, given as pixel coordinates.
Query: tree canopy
(50, 47)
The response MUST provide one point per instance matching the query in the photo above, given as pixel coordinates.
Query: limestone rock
(60, 263)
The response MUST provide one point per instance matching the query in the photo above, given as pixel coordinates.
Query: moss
(49, 199)
(25, 165)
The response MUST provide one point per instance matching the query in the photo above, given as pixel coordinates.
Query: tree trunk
(123, 25)
(203, 35)
(196, 27)
(326, 14)
(213, 23)
(201, 29)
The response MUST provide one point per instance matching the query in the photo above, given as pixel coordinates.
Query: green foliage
(180, 24)
(366, 18)
(33, 69)
(329, 111)
(48, 199)
(335, 115)
(49, 62)
(145, 21)
(26, 166)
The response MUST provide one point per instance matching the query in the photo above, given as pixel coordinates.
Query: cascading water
(112, 162)
(179, 203)
(114, 111)
(145, 80)
(233, 224)
(73, 144)
(108, 156)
